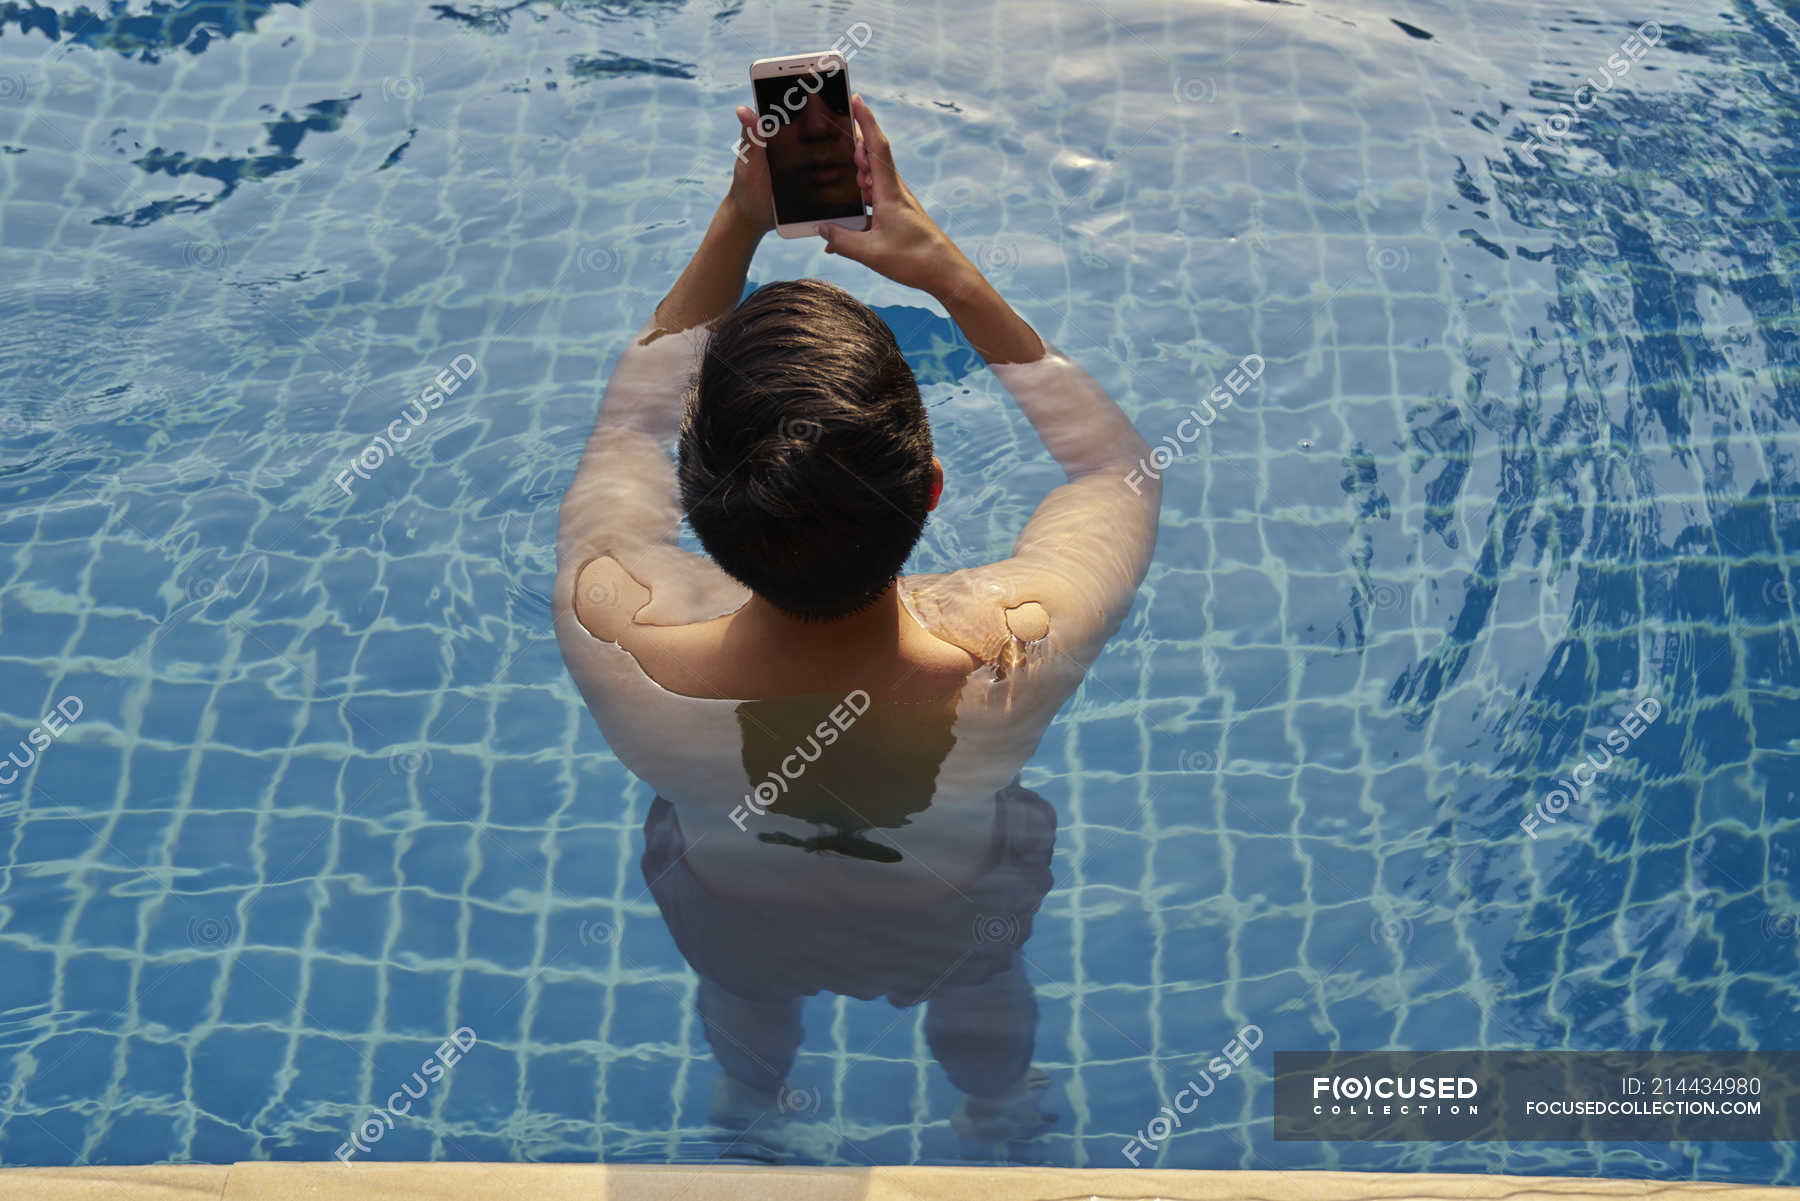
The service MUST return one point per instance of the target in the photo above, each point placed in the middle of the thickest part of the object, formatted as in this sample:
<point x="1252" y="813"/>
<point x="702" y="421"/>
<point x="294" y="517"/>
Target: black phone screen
<point x="804" y="122"/>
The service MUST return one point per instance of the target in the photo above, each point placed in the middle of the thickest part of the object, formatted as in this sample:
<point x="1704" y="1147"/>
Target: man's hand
<point x="750" y="197"/>
<point x="906" y="245"/>
<point x="902" y="241"/>
<point x="713" y="280"/>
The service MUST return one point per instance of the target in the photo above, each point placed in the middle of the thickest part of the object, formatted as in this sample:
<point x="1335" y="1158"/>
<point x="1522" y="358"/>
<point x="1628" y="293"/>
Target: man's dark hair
<point x="805" y="453"/>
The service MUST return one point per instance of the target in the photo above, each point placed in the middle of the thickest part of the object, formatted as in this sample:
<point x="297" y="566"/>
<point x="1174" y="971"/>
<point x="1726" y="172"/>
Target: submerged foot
<point x="1009" y="1118"/>
<point x="766" y="1129"/>
<point x="737" y="1106"/>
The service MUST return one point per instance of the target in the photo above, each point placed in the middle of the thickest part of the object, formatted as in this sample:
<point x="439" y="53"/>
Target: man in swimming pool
<point x="835" y="747"/>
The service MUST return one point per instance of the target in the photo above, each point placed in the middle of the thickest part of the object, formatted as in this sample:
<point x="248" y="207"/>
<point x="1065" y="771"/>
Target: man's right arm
<point x="1085" y="551"/>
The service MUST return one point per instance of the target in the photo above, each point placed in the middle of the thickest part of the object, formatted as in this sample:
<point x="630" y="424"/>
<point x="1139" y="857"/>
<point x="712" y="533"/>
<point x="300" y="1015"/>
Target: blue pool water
<point x="1523" y="454"/>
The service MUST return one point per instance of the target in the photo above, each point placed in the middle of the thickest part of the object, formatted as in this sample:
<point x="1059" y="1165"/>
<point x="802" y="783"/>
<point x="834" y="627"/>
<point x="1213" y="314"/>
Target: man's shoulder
<point x="605" y="596"/>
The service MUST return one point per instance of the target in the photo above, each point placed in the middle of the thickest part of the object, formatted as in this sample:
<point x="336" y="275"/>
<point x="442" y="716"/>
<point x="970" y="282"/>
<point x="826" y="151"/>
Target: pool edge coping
<point x="439" y="1181"/>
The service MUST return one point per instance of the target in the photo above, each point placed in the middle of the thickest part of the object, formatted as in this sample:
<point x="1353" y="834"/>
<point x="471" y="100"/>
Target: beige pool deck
<point x="607" y="1182"/>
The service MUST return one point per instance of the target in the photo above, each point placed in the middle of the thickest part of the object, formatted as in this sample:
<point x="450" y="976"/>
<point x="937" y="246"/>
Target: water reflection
<point x="191" y="25"/>
<point x="1627" y="424"/>
<point x="1614" y="479"/>
<point x="283" y="136"/>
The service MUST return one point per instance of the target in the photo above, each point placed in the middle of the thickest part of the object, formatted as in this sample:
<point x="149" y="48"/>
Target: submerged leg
<point x="983" y="1035"/>
<point x="755" y="1043"/>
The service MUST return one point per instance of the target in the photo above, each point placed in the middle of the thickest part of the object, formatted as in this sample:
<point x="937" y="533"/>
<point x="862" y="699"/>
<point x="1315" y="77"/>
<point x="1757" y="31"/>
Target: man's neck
<point x="875" y="628"/>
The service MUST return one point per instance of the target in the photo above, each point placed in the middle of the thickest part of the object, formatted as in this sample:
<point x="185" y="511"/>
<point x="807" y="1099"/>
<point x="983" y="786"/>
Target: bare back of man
<point x="760" y="652"/>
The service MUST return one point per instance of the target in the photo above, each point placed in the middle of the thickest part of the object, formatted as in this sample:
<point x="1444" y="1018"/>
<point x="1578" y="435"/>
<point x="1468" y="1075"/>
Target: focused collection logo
<point x="1379" y="1094"/>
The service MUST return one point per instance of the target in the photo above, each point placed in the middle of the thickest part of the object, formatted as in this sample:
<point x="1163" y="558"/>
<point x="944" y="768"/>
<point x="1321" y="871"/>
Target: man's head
<point x="805" y="456"/>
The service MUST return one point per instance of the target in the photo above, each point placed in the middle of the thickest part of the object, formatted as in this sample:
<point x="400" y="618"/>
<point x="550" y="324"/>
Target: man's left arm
<point x="624" y="504"/>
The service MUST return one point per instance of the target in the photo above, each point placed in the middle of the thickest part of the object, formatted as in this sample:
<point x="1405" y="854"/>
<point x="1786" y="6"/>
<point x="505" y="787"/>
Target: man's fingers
<point x="865" y="120"/>
<point x="874" y="140"/>
<point x="845" y="241"/>
<point x="749" y="145"/>
<point x="880" y="153"/>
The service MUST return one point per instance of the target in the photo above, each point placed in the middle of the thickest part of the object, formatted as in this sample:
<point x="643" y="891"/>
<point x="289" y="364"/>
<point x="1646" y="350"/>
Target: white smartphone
<point x="804" y="124"/>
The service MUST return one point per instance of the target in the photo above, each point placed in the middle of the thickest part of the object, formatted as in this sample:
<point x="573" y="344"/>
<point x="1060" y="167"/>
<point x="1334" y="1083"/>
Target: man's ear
<point x="937" y="482"/>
